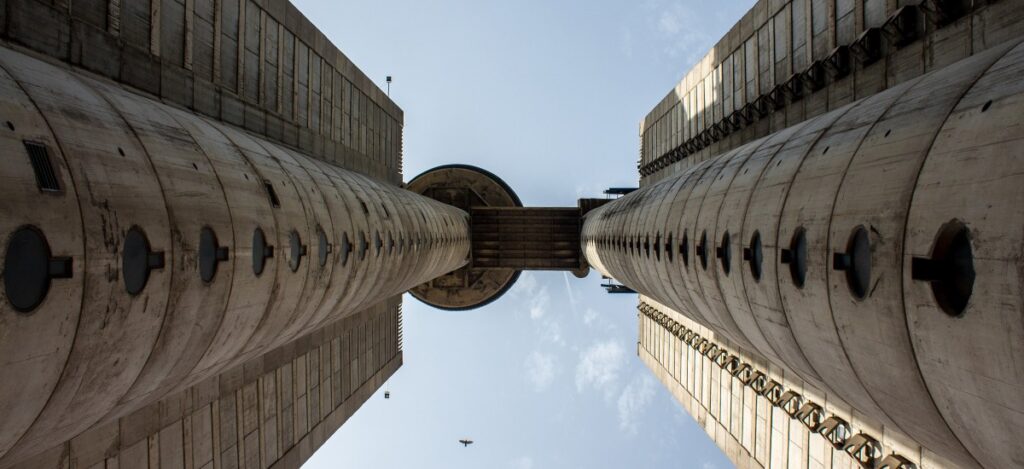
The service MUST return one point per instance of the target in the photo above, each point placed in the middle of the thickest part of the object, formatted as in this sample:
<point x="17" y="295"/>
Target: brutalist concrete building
<point x="827" y="237"/>
<point x="204" y="235"/>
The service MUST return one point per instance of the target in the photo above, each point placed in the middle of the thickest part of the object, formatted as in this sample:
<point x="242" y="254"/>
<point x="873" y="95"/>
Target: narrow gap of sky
<point x="549" y="96"/>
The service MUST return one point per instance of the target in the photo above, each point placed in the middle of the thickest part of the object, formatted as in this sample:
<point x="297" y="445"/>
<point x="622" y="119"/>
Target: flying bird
<point x="466" y="442"/>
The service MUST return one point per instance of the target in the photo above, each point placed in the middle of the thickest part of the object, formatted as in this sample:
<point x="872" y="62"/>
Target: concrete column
<point x="146" y="248"/>
<point x="873" y="250"/>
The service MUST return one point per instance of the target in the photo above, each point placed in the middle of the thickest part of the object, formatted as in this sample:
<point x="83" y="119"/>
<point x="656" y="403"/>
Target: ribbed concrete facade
<point x="260" y="65"/>
<point x="870" y="254"/>
<point x="759" y="415"/>
<point x="182" y="292"/>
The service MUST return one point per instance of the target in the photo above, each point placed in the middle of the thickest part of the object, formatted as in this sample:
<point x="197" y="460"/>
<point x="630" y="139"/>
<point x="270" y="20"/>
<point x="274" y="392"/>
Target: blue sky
<point x="548" y="95"/>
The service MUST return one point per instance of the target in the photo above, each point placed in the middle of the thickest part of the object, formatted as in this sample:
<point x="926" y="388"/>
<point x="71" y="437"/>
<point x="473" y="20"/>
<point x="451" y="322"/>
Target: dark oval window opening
<point x="138" y="260"/>
<point x="260" y="251"/>
<point x="798" y="258"/>
<point x="702" y="250"/>
<point x="858" y="275"/>
<point x="657" y="247"/>
<point x="210" y="254"/>
<point x="755" y="256"/>
<point x="324" y="246"/>
<point x="27" y="269"/>
<point x="950" y="269"/>
<point x="346" y="248"/>
<point x="297" y="250"/>
<point x="725" y="253"/>
<point x="363" y="245"/>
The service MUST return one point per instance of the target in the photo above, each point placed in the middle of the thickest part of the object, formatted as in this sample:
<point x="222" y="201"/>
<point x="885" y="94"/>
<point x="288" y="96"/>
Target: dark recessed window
<point x="796" y="257"/>
<point x="28" y="269"/>
<point x="363" y="245"/>
<point x="261" y="251"/>
<point x="702" y="250"/>
<point x="137" y="260"/>
<point x="725" y="253"/>
<point x="754" y="255"/>
<point x="346" y="248"/>
<point x="297" y="250"/>
<point x="950" y="269"/>
<point x="856" y="262"/>
<point x="324" y="246"/>
<point x="210" y="254"/>
<point x="684" y="250"/>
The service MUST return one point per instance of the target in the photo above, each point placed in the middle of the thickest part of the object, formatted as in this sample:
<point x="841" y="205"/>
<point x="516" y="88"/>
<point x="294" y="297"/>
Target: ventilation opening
<point x="46" y="177"/>
<point x="950" y="269"/>
<point x="272" y="194"/>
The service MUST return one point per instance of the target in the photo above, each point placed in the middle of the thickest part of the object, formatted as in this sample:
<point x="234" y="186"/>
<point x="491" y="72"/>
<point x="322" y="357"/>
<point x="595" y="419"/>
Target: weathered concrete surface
<point x="786" y="61"/>
<point x="760" y="416"/>
<point x="257" y="64"/>
<point x="91" y="351"/>
<point x="872" y="190"/>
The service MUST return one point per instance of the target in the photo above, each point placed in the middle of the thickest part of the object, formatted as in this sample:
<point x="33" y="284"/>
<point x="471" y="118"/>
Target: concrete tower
<point x="202" y="238"/>
<point x="827" y="236"/>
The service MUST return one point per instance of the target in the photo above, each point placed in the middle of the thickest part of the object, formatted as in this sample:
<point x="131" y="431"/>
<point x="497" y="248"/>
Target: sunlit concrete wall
<point x="873" y="251"/>
<point x="760" y="416"/>
<point x="789" y="60"/>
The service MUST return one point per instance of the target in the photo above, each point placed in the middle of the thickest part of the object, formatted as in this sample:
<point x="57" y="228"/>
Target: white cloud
<point x="540" y="370"/>
<point x="709" y="465"/>
<point x="535" y="299"/>
<point x="672" y="20"/>
<point x="551" y="331"/>
<point x="535" y="295"/>
<point x="633" y="400"/>
<point x="526" y="284"/>
<point x="522" y="462"/>
<point x="679" y="29"/>
<point x="589" y="316"/>
<point x="599" y="367"/>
